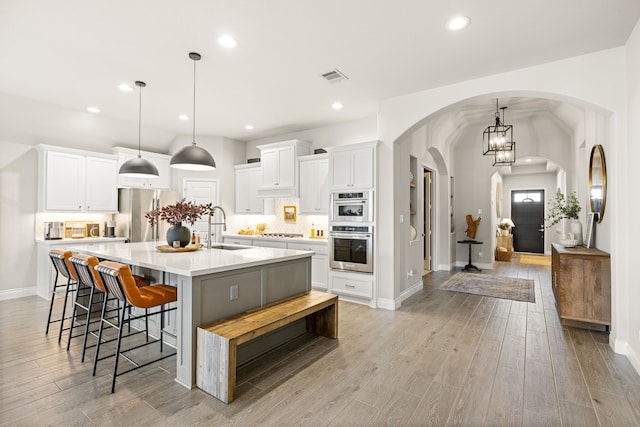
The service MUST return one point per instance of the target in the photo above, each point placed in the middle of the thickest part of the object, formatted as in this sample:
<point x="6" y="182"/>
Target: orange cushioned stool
<point x="121" y="284"/>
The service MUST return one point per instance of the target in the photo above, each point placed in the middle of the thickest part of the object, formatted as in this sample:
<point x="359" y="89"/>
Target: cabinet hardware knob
<point x="350" y="286"/>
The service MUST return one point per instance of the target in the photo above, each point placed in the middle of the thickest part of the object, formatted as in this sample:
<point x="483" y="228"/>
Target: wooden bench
<point x="217" y="342"/>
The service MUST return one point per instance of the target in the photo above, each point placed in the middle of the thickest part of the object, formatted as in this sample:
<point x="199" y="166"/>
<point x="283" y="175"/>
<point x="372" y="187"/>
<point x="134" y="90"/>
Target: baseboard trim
<point x="17" y="293"/>
<point x="388" y="304"/>
<point x="623" y="347"/>
<point x="413" y="289"/>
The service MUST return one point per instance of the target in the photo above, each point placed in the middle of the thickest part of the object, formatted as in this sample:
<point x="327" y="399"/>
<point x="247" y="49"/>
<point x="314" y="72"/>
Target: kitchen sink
<point x="230" y="247"/>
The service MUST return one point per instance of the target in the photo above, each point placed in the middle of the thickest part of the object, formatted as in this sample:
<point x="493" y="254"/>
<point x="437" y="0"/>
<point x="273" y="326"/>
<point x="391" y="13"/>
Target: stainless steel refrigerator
<point x="133" y="204"/>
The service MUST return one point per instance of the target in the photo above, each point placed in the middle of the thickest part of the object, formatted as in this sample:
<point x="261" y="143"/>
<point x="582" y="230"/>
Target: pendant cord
<point x="194" y="102"/>
<point x="139" y="120"/>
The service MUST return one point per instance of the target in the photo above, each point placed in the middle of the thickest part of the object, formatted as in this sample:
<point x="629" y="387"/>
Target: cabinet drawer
<point x="236" y="241"/>
<point x="352" y="286"/>
<point x="317" y="248"/>
<point x="269" y="244"/>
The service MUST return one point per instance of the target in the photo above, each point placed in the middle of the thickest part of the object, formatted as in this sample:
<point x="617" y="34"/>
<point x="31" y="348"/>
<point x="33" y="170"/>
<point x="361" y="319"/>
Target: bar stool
<point x="120" y="283"/>
<point x="62" y="265"/>
<point x="88" y="277"/>
<point x="84" y="266"/>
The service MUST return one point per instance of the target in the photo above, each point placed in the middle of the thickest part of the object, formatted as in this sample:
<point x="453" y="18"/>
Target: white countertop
<point x="323" y="241"/>
<point x="80" y="241"/>
<point x="197" y="263"/>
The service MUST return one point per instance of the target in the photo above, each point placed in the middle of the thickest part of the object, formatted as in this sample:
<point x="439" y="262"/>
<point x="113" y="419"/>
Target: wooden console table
<point x="581" y="279"/>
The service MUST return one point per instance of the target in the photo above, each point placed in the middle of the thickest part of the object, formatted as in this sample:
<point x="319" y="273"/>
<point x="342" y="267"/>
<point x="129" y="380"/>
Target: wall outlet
<point x="401" y="219"/>
<point x="233" y="292"/>
<point x="479" y="253"/>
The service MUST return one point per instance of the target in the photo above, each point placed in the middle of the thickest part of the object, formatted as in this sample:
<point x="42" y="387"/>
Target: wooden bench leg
<point x="324" y="322"/>
<point x="216" y="365"/>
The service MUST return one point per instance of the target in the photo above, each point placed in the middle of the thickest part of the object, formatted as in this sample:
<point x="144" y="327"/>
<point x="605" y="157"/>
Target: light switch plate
<point x="233" y="292"/>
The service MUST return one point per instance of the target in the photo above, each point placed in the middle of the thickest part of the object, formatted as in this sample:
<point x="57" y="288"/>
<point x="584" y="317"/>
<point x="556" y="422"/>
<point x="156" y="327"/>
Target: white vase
<point x="574" y="228"/>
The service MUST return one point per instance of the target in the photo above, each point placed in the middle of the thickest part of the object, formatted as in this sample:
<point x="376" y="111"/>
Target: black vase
<point x="179" y="233"/>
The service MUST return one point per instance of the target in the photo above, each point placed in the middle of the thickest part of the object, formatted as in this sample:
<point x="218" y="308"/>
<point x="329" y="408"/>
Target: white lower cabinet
<point x="269" y="244"/>
<point x="319" y="263"/>
<point x="354" y="287"/>
<point x="237" y="240"/>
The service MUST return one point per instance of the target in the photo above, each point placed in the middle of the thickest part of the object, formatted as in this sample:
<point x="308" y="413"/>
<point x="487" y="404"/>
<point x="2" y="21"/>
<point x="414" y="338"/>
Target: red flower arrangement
<point x="179" y="212"/>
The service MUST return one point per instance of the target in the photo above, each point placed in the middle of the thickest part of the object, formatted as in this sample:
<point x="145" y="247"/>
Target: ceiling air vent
<point x="334" y="76"/>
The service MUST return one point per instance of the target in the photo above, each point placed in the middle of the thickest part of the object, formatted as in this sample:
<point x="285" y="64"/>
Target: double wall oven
<point x="351" y="232"/>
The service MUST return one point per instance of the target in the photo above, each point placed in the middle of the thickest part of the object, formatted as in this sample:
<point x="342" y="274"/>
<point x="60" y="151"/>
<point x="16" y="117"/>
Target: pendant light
<point x="497" y="141"/>
<point x="139" y="167"/>
<point x="193" y="157"/>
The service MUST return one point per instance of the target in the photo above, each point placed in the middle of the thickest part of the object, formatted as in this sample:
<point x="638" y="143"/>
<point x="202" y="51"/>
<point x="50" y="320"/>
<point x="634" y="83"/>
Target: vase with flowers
<point x="566" y="208"/>
<point x="180" y="212"/>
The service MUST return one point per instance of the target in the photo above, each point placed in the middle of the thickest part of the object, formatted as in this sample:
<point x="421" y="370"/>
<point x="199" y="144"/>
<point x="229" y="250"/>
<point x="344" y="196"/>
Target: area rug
<point x="491" y="286"/>
<point x="535" y="259"/>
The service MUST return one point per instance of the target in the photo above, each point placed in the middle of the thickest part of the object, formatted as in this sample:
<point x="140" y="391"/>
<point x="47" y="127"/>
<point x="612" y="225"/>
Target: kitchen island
<point x="214" y="284"/>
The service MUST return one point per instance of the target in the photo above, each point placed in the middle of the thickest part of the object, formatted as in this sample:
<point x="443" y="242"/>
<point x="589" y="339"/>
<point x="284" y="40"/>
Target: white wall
<point x="18" y="204"/>
<point x="628" y="312"/>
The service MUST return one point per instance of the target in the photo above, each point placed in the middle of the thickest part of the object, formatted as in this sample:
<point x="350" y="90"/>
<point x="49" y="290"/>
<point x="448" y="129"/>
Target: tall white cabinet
<point x="76" y="181"/>
<point x="314" y="184"/>
<point x="248" y="179"/>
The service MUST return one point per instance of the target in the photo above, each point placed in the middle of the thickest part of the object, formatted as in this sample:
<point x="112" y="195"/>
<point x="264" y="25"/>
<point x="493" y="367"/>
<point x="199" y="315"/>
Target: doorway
<point x="527" y="213"/>
<point x="427" y="218"/>
<point x="201" y="192"/>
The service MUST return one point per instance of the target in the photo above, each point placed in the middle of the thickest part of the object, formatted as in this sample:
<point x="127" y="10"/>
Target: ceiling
<point x="73" y="54"/>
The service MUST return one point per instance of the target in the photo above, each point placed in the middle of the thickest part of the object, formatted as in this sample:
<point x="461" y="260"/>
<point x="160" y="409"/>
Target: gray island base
<point x="213" y="284"/>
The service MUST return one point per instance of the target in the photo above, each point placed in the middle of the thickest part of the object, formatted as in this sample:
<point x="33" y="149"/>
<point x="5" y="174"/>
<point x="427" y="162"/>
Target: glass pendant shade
<point x="192" y="157"/>
<point x="139" y="167"/>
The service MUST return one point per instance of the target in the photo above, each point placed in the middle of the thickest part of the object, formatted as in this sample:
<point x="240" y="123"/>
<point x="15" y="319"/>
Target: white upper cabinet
<point x="101" y="184"/>
<point x="280" y="167"/>
<point x="248" y="179"/>
<point x="161" y="161"/>
<point x="314" y="184"/>
<point x="352" y="167"/>
<point x="76" y="181"/>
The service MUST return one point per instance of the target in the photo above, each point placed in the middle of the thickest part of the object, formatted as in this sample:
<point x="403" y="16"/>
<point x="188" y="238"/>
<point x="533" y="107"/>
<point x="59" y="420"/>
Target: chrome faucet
<point x="212" y="211"/>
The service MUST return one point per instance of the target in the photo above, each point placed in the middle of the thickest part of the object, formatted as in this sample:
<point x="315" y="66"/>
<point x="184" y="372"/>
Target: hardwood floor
<point x="444" y="358"/>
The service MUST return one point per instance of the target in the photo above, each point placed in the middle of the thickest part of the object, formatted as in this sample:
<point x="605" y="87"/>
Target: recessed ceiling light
<point x="93" y="109"/>
<point x="227" y="41"/>
<point x="458" y="23"/>
<point x="337" y="105"/>
<point x="183" y="117"/>
<point x="249" y="127"/>
<point x="125" y="87"/>
<point x="527" y="160"/>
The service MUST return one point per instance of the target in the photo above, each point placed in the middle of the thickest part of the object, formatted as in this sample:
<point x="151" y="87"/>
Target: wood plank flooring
<point x="443" y="359"/>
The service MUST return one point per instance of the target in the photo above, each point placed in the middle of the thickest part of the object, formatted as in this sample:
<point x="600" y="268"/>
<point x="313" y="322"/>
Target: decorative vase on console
<point x="564" y="210"/>
<point x="180" y="233"/>
<point x="574" y="228"/>
<point x="175" y="215"/>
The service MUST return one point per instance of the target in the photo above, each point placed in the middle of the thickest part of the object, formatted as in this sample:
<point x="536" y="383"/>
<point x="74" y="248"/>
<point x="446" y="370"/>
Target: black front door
<point x="527" y="213"/>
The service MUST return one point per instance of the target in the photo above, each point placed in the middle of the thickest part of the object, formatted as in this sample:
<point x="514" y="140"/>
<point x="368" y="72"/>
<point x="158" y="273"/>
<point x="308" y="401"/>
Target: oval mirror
<point x="597" y="181"/>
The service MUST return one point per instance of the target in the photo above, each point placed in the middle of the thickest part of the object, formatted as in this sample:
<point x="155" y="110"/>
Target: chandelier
<point x="497" y="141"/>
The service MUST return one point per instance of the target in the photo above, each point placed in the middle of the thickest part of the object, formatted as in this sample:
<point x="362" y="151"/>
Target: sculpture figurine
<point x="472" y="226"/>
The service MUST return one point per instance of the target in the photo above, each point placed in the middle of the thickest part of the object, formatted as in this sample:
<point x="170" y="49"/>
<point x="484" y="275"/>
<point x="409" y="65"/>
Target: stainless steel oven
<point x="351" y="248"/>
<point x="351" y="207"/>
